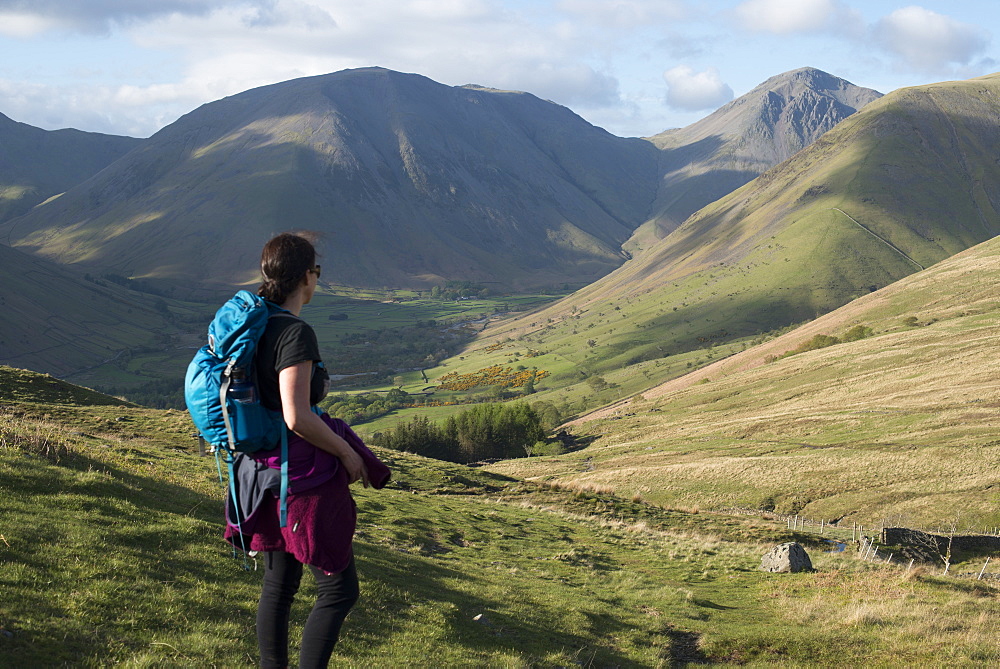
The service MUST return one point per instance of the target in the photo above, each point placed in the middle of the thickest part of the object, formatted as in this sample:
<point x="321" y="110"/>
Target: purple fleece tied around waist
<point x="259" y="474"/>
<point x="321" y="517"/>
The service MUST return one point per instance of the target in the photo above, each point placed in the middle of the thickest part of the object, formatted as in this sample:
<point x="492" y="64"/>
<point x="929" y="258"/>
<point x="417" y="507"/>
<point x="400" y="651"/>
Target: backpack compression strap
<point x="283" y="500"/>
<point x="223" y="390"/>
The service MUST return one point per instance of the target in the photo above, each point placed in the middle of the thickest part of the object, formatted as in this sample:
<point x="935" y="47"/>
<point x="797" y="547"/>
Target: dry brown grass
<point x="38" y="438"/>
<point x="904" y="424"/>
<point x="916" y="573"/>
<point x="908" y="617"/>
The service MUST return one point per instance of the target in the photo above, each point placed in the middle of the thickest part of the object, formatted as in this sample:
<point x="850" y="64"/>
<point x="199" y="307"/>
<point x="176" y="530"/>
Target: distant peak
<point x="807" y="71"/>
<point x="810" y="76"/>
<point x="801" y="74"/>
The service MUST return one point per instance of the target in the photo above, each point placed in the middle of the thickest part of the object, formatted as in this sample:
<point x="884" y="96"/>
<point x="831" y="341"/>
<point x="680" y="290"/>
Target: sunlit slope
<point x="412" y="182"/>
<point x="742" y="139"/>
<point x="903" y="184"/>
<point x="900" y="425"/>
<point x="55" y="321"/>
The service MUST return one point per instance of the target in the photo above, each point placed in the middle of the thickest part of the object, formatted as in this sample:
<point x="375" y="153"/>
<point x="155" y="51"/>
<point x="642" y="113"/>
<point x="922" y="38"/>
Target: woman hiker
<point x="324" y="458"/>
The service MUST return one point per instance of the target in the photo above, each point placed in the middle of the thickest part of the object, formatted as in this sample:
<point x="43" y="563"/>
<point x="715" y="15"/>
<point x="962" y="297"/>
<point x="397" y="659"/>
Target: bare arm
<point x="293" y="385"/>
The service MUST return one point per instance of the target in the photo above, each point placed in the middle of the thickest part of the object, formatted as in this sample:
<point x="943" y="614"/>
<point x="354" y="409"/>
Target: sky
<point x="633" y="67"/>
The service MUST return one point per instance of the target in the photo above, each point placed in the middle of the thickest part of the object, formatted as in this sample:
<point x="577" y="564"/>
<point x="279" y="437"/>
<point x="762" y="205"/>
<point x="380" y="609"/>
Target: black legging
<point x="335" y="595"/>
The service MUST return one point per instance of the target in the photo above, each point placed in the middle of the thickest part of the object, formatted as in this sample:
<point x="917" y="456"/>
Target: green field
<point x="111" y="554"/>
<point x="388" y="331"/>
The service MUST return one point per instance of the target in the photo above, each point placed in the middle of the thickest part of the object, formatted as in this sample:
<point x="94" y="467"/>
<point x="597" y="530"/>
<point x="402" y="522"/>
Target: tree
<point x="484" y="431"/>
<point x="597" y="382"/>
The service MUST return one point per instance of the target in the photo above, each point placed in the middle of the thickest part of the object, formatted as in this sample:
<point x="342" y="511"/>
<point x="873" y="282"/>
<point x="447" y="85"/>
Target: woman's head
<point x="283" y="263"/>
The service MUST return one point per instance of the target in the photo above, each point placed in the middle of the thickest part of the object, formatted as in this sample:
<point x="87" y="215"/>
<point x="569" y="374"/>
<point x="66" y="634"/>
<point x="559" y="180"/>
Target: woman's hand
<point x="355" y="466"/>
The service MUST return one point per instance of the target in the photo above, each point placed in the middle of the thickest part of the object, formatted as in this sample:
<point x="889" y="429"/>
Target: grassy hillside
<point x="58" y="322"/>
<point x="109" y="543"/>
<point x="19" y="385"/>
<point x="901" y="425"/>
<point x="899" y="186"/>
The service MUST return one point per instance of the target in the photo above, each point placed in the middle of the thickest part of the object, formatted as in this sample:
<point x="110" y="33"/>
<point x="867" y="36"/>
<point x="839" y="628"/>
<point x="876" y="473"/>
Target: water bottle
<point x="244" y="410"/>
<point x="241" y="389"/>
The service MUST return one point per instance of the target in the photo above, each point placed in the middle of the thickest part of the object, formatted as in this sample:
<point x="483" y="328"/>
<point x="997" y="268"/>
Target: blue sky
<point x="634" y="67"/>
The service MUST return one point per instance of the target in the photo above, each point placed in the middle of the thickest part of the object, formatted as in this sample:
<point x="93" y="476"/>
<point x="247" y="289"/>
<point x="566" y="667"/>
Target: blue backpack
<point x="220" y="389"/>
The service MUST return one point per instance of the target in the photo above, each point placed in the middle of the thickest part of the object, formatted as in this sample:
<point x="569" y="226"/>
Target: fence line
<point x="867" y="546"/>
<point x="799" y="522"/>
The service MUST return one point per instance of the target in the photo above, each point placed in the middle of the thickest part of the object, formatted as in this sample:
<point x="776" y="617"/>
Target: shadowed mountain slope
<point x="411" y="181"/>
<point x="58" y="323"/>
<point x="716" y="155"/>
<point x="36" y="164"/>
<point x="906" y="182"/>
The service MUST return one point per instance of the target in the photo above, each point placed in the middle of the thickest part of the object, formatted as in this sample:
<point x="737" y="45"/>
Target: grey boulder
<point x="786" y="558"/>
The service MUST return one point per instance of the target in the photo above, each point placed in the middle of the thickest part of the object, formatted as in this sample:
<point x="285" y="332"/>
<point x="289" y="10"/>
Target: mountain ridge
<point x="414" y="183"/>
<point x="37" y="164"/>
<point x="710" y="158"/>
<point x="355" y="145"/>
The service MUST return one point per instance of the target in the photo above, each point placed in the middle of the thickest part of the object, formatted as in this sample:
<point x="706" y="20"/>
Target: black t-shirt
<point x="287" y="341"/>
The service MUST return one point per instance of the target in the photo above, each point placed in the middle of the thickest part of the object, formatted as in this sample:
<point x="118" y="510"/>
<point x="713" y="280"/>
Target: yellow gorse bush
<point x="495" y="375"/>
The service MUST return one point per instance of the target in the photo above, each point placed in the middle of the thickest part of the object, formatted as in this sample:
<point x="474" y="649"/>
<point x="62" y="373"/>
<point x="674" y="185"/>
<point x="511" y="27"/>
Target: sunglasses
<point x="317" y="270"/>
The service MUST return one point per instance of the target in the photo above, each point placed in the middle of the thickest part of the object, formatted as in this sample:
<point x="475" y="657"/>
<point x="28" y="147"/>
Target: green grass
<point x="111" y="555"/>
<point x="19" y="385"/>
<point x="900" y="425"/>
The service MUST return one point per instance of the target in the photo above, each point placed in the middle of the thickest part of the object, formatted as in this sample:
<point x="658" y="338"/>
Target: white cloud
<point x="291" y="12"/>
<point x="101" y="15"/>
<point x="450" y="10"/>
<point x="927" y="41"/>
<point x="786" y="17"/>
<point x="25" y="24"/>
<point x="688" y="90"/>
<point x="566" y="83"/>
<point x="455" y="42"/>
<point x="93" y="108"/>
<point x="624" y="14"/>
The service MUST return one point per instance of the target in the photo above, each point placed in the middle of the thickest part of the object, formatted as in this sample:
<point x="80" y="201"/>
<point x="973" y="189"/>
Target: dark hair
<point x="283" y="262"/>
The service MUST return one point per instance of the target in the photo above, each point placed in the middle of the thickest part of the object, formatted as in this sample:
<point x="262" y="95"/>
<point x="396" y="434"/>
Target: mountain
<point x="903" y="184"/>
<point x="415" y="183"/>
<point x="36" y="164"/>
<point x="412" y="182"/>
<point x="900" y="424"/>
<point x="716" y="155"/>
<point x="57" y="322"/>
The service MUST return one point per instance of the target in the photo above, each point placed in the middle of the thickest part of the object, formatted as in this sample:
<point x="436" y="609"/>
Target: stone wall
<point x="902" y="536"/>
